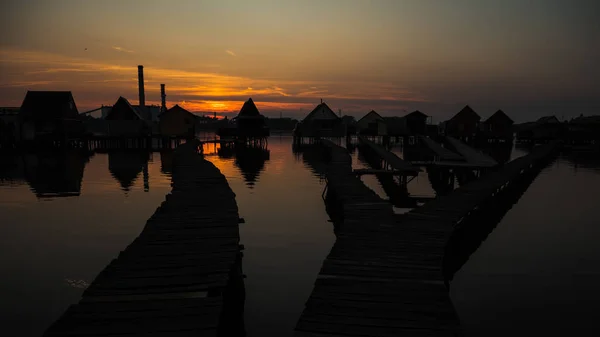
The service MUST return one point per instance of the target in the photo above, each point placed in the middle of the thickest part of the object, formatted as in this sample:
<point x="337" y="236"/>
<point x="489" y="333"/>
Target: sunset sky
<point x="529" y="58"/>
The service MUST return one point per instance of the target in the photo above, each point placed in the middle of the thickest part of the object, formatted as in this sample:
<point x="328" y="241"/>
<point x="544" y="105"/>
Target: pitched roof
<point x="370" y="113"/>
<point x="547" y="119"/>
<point x="176" y="108"/>
<point x="321" y="111"/>
<point x="499" y="116"/>
<point x="586" y="120"/>
<point x="466" y="112"/>
<point x="417" y="113"/>
<point x="56" y="104"/>
<point x="249" y="109"/>
<point x="123" y="100"/>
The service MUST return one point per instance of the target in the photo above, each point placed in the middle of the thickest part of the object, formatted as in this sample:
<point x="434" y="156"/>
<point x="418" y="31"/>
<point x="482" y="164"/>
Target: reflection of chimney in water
<point x="141" y="86"/>
<point x="163" y="98"/>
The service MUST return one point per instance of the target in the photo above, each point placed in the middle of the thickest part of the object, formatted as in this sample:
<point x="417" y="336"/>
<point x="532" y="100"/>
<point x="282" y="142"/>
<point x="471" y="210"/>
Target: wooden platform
<point x="170" y="280"/>
<point x="396" y="163"/>
<point x="441" y="152"/>
<point x="384" y="275"/>
<point x="471" y="155"/>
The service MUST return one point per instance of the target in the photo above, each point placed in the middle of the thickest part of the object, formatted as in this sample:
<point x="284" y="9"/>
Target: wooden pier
<point x="472" y="156"/>
<point x="441" y="152"/>
<point x="391" y="161"/>
<point x="385" y="273"/>
<point x="181" y="276"/>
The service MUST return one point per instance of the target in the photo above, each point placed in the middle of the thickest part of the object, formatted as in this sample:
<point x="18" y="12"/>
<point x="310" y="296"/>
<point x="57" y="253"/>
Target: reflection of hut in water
<point x="166" y="161"/>
<point x="54" y="173"/>
<point x="316" y="159"/>
<point x="251" y="161"/>
<point x="226" y="152"/>
<point x="125" y="167"/>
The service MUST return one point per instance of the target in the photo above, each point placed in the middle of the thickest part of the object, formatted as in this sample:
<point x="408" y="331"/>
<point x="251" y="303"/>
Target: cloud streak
<point x="230" y="52"/>
<point x="101" y="82"/>
<point x="123" y="50"/>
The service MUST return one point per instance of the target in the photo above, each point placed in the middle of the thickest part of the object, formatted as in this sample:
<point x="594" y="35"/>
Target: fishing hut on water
<point x="497" y="128"/>
<point x="50" y="117"/>
<point x="321" y="122"/>
<point x="248" y="127"/>
<point x="464" y="125"/>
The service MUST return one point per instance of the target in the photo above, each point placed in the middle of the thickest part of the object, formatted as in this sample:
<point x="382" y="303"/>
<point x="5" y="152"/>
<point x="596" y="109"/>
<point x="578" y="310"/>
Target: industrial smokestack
<point x="163" y="98"/>
<point x="141" y="86"/>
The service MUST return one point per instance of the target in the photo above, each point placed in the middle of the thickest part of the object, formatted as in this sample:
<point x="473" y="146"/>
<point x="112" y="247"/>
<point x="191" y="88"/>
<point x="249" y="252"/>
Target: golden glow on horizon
<point x="197" y="91"/>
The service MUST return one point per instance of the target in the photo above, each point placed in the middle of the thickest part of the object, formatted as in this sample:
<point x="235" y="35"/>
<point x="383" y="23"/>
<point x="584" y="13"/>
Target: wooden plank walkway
<point x="473" y="156"/>
<point x="170" y="280"/>
<point x="384" y="275"/>
<point x="443" y="153"/>
<point x="392" y="159"/>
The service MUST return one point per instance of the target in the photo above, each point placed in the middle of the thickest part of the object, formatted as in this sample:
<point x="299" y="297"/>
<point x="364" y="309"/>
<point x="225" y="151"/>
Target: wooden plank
<point x="188" y="247"/>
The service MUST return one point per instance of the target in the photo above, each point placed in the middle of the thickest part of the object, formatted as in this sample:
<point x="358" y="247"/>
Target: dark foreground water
<point x="64" y="217"/>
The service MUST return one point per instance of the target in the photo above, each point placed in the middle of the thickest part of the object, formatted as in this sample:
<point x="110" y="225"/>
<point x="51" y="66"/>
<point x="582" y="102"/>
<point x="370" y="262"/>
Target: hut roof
<point x="123" y="101"/>
<point x="499" y="117"/>
<point x="416" y="113"/>
<point x="466" y="113"/>
<point x="371" y="113"/>
<point x="321" y="111"/>
<point x="176" y="108"/>
<point x="586" y="120"/>
<point x="49" y="104"/>
<point x="547" y="119"/>
<point x="249" y="109"/>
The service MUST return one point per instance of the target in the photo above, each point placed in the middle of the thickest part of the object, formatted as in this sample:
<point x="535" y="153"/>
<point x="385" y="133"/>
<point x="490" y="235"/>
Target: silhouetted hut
<point x="321" y="122"/>
<point x="464" y="125"/>
<point x="249" y="122"/>
<point x="416" y="122"/>
<point x="583" y="130"/>
<point x="49" y="115"/>
<point x="177" y="122"/>
<point x="498" y="126"/>
<point x="544" y="129"/>
<point x="9" y="126"/>
<point x="372" y="124"/>
<point x="125" y="120"/>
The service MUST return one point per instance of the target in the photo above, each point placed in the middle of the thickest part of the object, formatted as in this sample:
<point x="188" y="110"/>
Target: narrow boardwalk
<point x="384" y="275"/>
<point x="171" y="280"/>
<point x="473" y="156"/>
<point x="397" y="164"/>
<point x="443" y="153"/>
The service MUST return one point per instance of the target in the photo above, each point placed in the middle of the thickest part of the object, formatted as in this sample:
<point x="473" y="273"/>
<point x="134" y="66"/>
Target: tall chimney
<point x="141" y="86"/>
<point x="163" y="98"/>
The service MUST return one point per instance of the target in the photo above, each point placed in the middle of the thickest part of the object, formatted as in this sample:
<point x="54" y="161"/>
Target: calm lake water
<point x="64" y="217"/>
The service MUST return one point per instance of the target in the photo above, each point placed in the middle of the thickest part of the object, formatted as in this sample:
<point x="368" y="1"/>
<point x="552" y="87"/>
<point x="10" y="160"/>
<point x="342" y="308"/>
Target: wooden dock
<point x="385" y="273"/>
<point x="176" y="277"/>
<point x="441" y="152"/>
<point x="472" y="156"/>
<point x="394" y="162"/>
